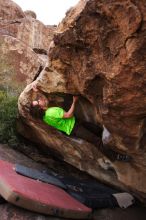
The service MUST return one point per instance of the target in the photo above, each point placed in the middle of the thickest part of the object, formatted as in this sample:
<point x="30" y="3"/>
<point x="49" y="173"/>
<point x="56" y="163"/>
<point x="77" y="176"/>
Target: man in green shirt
<point x="59" y="119"/>
<point x="67" y="123"/>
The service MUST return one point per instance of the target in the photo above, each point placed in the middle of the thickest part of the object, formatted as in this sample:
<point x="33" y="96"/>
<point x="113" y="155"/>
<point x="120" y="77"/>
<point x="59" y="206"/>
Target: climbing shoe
<point x="123" y="157"/>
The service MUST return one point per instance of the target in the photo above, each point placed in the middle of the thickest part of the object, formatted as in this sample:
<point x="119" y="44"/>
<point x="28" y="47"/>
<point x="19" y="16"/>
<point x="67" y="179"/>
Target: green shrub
<point x="8" y="115"/>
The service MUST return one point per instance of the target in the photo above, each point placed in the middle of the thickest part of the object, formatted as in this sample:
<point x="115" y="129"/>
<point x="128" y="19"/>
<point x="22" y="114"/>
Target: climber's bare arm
<point x="70" y="112"/>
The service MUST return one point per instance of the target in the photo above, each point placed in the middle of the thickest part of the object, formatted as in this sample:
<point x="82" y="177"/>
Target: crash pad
<point x="38" y="196"/>
<point x="90" y="192"/>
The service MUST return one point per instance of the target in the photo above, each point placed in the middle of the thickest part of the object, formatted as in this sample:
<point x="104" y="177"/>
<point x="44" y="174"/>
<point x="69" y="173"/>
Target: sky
<point x="50" y="12"/>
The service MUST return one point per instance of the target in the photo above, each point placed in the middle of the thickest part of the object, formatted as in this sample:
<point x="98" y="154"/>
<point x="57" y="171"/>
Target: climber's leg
<point x="113" y="155"/>
<point x="81" y="132"/>
<point x="95" y="129"/>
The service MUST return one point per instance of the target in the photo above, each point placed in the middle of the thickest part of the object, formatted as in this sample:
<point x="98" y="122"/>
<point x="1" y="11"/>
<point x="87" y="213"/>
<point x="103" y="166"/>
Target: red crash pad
<point x="38" y="196"/>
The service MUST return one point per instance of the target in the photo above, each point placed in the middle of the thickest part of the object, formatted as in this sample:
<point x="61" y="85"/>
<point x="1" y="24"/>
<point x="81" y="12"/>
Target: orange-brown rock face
<point x="10" y="10"/>
<point x="99" y="52"/>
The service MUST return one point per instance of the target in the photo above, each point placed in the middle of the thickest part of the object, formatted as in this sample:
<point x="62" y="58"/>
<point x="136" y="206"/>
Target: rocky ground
<point x="35" y="160"/>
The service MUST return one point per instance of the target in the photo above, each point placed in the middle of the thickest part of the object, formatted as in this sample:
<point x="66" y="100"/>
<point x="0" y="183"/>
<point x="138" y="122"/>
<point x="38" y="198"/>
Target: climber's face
<point x="42" y="103"/>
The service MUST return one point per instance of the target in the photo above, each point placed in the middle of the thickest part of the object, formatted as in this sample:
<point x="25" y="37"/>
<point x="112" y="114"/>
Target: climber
<point x="67" y="123"/>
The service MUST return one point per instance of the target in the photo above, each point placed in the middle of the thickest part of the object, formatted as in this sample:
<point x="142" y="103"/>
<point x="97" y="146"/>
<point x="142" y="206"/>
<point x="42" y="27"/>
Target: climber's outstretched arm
<point x="70" y="112"/>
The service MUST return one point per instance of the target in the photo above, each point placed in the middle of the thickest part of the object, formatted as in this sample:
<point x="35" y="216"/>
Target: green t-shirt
<point x="54" y="117"/>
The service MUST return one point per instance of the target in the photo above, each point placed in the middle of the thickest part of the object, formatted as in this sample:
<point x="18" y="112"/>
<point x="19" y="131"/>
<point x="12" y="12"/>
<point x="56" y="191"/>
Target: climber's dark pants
<point x="92" y="133"/>
<point x="88" y="132"/>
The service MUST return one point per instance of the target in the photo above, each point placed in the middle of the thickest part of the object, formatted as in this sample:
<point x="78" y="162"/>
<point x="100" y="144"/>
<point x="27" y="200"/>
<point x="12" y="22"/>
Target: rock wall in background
<point x="24" y="42"/>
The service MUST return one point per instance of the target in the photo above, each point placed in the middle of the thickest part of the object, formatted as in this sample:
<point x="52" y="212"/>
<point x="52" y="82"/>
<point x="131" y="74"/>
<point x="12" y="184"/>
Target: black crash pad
<point x="91" y="192"/>
<point x="37" y="175"/>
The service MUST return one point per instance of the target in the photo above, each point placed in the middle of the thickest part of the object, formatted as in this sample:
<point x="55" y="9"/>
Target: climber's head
<point x="41" y="103"/>
<point x="38" y="107"/>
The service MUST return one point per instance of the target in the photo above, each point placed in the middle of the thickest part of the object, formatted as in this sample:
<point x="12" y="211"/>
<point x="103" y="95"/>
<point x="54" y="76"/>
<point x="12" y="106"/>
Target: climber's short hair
<point x="36" y="111"/>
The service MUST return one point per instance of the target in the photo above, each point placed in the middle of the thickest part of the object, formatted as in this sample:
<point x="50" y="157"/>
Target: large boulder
<point x="98" y="52"/>
<point x="31" y="14"/>
<point x="18" y="64"/>
<point x="10" y="11"/>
